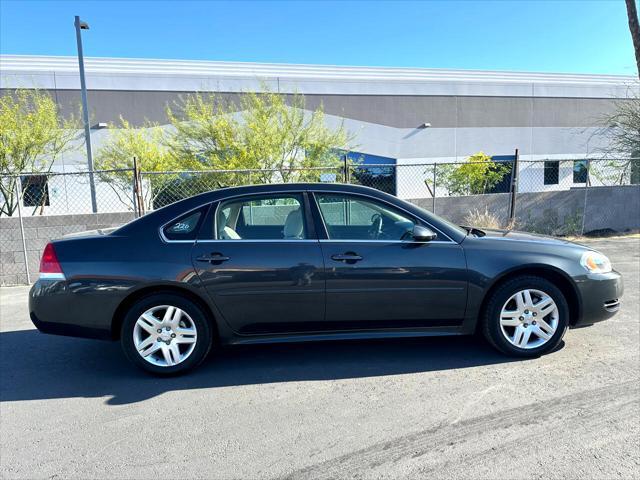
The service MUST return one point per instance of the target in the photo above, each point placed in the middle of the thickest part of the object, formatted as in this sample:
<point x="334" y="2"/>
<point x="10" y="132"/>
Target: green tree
<point x="260" y="131"/>
<point x="115" y="159"/>
<point x="634" y="29"/>
<point x="476" y="175"/>
<point x="33" y="134"/>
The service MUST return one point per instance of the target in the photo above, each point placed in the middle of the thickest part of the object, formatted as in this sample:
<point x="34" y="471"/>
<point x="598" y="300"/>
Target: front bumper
<point x="600" y="297"/>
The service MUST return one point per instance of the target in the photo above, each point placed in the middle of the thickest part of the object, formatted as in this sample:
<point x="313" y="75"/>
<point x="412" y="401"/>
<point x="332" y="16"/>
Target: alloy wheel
<point x="165" y="335"/>
<point x="529" y="318"/>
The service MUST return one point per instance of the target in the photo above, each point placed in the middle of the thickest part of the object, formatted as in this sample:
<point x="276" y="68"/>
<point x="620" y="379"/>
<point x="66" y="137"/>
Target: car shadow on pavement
<point x="34" y="366"/>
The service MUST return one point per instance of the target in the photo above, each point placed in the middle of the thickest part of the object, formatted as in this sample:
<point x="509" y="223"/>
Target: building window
<point x="35" y="191"/>
<point x="372" y="171"/>
<point x="579" y="171"/>
<point x="504" y="184"/>
<point x="635" y="171"/>
<point x="551" y="173"/>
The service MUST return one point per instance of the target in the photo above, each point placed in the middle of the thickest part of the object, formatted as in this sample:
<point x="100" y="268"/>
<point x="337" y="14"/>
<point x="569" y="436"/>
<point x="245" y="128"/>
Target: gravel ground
<point x="420" y="408"/>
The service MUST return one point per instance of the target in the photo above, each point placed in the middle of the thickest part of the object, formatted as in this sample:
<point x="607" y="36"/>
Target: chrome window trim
<point x="299" y="192"/>
<point x="326" y="231"/>
<point x="382" y="241"/>
<point x="258" y="240"/>
<point x="215" y="227"/>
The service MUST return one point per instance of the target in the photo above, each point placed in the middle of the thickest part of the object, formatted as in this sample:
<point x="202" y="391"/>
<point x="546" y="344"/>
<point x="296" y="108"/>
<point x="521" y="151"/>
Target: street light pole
<point x="80" y="25"/>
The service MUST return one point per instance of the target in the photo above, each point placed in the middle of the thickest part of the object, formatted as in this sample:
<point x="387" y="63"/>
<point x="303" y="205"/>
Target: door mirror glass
<point x="423" y="234"/>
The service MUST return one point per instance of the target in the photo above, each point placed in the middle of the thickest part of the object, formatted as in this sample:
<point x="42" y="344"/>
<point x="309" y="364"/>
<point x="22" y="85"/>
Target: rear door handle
<point x="346" y="257"/>
<point x="213" y="258"/>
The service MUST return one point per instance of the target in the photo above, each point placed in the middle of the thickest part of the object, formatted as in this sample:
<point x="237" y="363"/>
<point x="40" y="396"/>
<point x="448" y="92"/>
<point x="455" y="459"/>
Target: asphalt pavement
<point x="418" y="408"/>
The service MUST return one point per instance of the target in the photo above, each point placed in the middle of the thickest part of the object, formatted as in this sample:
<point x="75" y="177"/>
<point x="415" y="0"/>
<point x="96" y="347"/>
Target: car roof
<point x="269" y="187"/>
<point x="224" y="192"/>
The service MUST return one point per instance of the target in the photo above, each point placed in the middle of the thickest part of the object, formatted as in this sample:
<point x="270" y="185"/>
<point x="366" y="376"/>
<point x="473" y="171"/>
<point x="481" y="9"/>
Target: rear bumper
<point x="600" y="297"/>
<point x="54" y="308"/>
<point x="68" y="330"/>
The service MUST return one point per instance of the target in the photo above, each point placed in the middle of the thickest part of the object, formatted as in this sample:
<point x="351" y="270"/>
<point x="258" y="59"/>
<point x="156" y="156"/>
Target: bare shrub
<point x="482" y="219"/>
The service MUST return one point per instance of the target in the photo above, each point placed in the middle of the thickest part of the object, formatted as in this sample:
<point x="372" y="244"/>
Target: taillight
<point x="49" y="265"/>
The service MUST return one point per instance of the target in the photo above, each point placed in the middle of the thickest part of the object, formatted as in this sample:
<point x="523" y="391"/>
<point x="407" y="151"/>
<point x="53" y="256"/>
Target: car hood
<point x="516" y="236"/>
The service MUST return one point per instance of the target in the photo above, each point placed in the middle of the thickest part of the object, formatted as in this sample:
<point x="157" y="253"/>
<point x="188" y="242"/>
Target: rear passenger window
<point x="185" y="227"/>
<point x="268" y="217"/>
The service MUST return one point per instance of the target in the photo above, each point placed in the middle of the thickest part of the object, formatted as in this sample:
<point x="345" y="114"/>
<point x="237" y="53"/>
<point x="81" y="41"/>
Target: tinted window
<point x="185" y="227"/>
<point x="35" y="191"/>
<point x="268" y="217"/>
<point x="350" y="217"/>
<point x="635" y="169"/>
<point x="551" y="173"/>
<point x="579" y="171"/>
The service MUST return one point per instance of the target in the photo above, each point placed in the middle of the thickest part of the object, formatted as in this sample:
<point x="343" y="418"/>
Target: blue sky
<point x="546" y="36"/>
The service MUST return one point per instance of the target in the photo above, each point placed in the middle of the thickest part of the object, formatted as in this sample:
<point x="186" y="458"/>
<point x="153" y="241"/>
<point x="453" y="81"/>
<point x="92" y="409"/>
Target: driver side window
<point x="351" y="217"/>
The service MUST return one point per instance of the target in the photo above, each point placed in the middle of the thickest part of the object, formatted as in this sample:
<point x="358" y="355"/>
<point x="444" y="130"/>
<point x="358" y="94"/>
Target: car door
<point x="261" y="263"/>
<point x="377" y="277"/>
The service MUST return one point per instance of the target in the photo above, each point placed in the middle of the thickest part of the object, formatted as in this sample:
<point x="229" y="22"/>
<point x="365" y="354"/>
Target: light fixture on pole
<point x="80" y="25"/>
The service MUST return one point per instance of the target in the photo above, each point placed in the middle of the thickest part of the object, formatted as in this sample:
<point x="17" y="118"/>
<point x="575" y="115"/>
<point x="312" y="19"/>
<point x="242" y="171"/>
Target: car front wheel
<point x="166" y="334"/>
<point x="526" y="317"/>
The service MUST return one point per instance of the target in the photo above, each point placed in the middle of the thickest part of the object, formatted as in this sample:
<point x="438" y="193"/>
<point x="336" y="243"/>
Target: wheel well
<point x="121" y="311"/>
<point x="558" y="279"/>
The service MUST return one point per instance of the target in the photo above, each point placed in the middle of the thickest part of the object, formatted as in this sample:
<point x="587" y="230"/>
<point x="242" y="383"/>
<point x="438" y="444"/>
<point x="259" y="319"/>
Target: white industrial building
<point x="402" y="117"/>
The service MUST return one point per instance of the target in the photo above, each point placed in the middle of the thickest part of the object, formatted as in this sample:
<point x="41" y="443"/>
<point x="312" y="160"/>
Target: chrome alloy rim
<point x="165" y="335"/>
<point x="529" y="319"/>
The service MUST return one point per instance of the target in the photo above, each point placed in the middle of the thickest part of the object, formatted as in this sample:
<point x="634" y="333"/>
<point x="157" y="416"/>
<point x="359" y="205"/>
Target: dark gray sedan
<point x="302" y="262"/>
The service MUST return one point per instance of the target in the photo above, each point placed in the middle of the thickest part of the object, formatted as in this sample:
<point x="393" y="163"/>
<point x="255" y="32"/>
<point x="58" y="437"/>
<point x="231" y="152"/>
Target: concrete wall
<point x="614" y="208"/>
<point x="38" y="231"/>
<point x="617" y="208"/>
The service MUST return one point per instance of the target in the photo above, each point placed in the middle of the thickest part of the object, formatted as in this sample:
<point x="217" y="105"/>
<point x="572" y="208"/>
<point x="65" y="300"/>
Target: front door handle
<point x="213" y="258"/>
<point x="346" y="257"/>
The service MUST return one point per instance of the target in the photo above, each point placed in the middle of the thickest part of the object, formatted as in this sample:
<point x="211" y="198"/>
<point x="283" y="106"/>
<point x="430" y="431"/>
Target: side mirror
<point x="423" y="234"/>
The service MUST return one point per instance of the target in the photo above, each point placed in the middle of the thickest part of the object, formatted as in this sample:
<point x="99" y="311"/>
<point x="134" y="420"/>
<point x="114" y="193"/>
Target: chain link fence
<point x="508" y="193"/>
<point x="158" y="189"/>
<point x="553" y="196"/>
<point x="64" y="193"/>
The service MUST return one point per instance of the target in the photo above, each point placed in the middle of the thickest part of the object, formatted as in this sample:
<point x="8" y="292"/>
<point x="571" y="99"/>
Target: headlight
<point x="595" y="262"/>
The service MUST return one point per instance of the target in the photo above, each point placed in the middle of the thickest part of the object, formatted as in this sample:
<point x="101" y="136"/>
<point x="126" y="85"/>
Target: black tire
<point x="204" y="339"/>
<point x="490" y="320"/>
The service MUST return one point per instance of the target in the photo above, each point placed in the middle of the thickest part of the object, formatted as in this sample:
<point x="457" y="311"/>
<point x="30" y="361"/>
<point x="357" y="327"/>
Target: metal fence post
<point x="138" y="188"/>
<point x="345" y="172"/>
<point x="514" y="189"/>
<point x="433" y="199"/>
<point x="344" y="169"/>
<point x="586" y="191"/>
<point x="134" y="188"/>
<point x="22" y="235"/>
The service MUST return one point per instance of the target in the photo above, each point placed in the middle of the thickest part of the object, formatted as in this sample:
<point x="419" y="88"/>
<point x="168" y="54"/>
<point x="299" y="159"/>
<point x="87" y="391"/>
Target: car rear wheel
<point x="166" y="334"/>
<point x="526" y="317"/>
